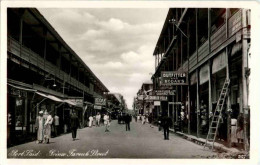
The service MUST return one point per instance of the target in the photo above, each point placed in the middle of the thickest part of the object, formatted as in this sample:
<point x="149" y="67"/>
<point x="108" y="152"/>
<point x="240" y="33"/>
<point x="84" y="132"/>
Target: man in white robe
<point x="39" y="125"/>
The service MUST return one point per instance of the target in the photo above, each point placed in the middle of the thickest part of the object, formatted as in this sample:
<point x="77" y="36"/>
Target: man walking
<point x="47" y="127"/>
<point x="74" y="124"/>
<point x="106" y="122"/>
<point x="56" y="124"/>
<point x="98" y="119"/>
<point x="127" y="122"/>
<point x="39" y="125"/>
<point x="166" y="123"/>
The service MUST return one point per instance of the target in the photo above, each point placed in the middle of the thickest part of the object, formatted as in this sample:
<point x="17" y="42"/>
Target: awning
<point x="70" y="102"/>
<point x="204" y="71"/>
<point x="193" y="78"/>
<point x="219" y="62"/>
<point x="50" y="97"/>
<point x="22" y="88"/>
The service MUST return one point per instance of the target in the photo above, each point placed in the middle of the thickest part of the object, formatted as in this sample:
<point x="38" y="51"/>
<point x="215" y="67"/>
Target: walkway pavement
<point x="142" y="141"/>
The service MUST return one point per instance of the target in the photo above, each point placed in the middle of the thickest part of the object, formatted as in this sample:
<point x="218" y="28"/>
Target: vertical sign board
<point x="174" y="78"/>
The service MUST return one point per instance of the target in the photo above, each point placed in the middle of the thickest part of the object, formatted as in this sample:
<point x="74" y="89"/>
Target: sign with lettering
<point x="100" y="101"/>
<point x="157" y="103"/>
<point x="78" y="101"/>
<point x="159" y="92"/>
<point x="175" y="103"/>
<point x="97" y="107"/>
<point x="156" y="98"/>
<point x="174" y="78"/>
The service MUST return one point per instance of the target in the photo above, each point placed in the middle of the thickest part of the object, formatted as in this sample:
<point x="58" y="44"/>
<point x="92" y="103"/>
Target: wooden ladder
<point x="213" y="129"/>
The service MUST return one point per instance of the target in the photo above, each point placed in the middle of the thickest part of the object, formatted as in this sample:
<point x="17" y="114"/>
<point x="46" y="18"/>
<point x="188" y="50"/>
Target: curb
<point x="201" y="141"/>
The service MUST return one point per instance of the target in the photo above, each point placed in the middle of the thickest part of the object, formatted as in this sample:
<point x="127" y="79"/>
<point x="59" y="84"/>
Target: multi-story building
<point x="43" y="71"/>
<point x="210" y="45"/>
<point x="143" y="103"/>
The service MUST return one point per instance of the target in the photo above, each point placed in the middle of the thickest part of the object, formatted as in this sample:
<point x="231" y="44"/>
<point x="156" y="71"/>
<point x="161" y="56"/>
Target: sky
<point x="117" y="44"/>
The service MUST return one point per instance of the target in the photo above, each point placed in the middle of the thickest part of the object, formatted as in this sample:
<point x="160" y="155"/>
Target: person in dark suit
<point x="166" y="123"/>
<point x="74" y="124"/>
<point x="127" y="122"/>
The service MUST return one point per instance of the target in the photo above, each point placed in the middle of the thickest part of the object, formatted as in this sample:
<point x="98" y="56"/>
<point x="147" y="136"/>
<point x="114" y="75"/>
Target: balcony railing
<point x="33" y="58"/>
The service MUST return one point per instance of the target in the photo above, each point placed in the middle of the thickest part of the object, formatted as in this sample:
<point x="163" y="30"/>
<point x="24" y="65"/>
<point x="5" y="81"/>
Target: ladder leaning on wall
<point x="213" y="129"/>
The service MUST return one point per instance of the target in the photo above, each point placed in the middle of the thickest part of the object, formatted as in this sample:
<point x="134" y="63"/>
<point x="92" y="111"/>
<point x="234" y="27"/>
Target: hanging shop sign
<point x="99" y="107"/>
<point x="77" y="101"/>
<point x="165" y="87"/>
<point x="175" y="103"/>
<point x="156" y="98"/>
<point x="100" y="101"/>
<point x="219" y="62"/>
<point x="174" y="78"/>
<point x="204" y="74"/>
<point x="159" y="92"/>
<point x="156" y="103"/>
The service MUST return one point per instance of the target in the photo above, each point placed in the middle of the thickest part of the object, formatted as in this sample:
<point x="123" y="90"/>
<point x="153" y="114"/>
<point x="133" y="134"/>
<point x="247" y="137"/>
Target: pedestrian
<point x="74" y="124"/>
<point x="39" y="127"/>
<point x="233" y="131"/>
<point x="98" y="119"/>
<point x="47" y="127"/>
<point x="143" y="119"/>
<point x="166" y="123"/>
<point x="160" y="123"/>
<point x="90" y="121"/>
<point x="106" y="122"/>
<point x="56" y="124"/>
<point x="127" y="122"/>
<point x="240" y="130"/>
<point x="221" y="128"/>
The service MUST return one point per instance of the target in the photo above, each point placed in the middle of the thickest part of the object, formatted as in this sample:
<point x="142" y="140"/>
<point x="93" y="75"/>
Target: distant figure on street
<point x="56" y="124"/>
<point x="98" y="117"/>
<point x="106" y="122"/>
<point x="47" y="127"/>
<point x="90" y="121"/>
<point x="143" y="119"/>
<point x="166" y="123"/>
<point x="127" y="122"/>
<point x="39" y="125"/>
<point x="160" y="122"/>
<point x="74" y="124"/>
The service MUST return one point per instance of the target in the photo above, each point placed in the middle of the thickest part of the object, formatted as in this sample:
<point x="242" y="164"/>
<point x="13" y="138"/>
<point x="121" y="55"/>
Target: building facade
<point x="43" y="71"/>
<point x="210" y="45"/>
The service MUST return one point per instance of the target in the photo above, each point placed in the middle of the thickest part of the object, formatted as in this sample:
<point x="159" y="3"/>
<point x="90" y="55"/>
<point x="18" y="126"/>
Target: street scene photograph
<point x="129" y="83"/>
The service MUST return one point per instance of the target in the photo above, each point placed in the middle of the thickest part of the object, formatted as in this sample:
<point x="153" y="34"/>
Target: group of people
<point x="97" y="121"/>
<point x="43" y="126"/>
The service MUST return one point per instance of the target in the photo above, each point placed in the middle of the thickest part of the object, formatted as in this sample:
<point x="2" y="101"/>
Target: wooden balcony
<point x="218" y="37"/>
<point x="34" y="59"/>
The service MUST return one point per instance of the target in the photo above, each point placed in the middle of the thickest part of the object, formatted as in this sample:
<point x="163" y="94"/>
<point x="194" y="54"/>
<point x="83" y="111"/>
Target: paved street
<point x="141" y="142"/>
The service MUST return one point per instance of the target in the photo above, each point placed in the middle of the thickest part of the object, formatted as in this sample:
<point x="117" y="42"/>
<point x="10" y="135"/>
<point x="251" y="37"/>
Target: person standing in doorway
<point x="47" y="127"/>
<point x="56" y="124"/>
<point x="39" y="127"/>
<point x="106" y="122"/>
<point x="74" y="124"/>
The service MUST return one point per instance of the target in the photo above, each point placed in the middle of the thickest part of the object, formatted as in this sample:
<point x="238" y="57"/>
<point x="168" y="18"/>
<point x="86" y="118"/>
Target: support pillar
<point x="198" y="105"/>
